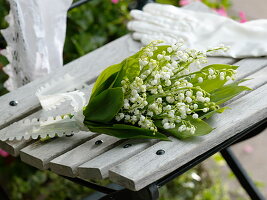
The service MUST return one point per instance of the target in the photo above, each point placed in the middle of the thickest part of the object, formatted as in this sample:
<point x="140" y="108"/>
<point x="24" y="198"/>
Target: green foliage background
<point x="94" y="24"/>
<point x="89" y="27"/>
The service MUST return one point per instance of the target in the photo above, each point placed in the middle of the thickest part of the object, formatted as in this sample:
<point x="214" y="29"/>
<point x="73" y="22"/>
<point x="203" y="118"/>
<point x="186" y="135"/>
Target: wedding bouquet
<point x="157" y="93"/>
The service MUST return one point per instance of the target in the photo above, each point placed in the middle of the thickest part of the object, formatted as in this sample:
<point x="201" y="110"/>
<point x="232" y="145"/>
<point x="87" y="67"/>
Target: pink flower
<point x="221" y="11"/>
<point x="248" y="149"/>
<point x="184" y="2"/>
<point x="3" y="153"/>
<point x="115" y="1"/>
<point x="243" y="17"/>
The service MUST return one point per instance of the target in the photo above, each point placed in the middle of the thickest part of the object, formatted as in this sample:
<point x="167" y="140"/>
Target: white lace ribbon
<point x="62" y="114"/>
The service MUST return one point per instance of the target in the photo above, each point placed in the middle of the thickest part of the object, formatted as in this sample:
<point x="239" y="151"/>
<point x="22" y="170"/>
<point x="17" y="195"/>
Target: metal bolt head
<point x="70" y="135"/>
<point x="13" y="103"/>
<point x="98" y="142"/>
<point x="127" y="146"/>
<point x="160" y="152"/>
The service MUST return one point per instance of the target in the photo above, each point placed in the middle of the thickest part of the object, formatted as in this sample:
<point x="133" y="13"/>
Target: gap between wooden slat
<point x="40" y="153"/>
<point x="67" y="163"/>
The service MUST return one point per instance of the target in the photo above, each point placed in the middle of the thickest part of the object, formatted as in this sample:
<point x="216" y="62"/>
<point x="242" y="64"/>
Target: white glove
<point x="35" y="39"/>
<point x="199" y="30"/>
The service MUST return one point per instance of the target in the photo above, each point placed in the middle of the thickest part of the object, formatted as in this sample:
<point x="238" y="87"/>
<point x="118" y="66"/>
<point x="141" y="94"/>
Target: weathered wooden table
<point x="134" y="164"/>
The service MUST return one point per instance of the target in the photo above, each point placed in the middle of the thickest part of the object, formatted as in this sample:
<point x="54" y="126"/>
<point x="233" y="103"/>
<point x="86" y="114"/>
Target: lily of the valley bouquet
<point x="156" y="93"/>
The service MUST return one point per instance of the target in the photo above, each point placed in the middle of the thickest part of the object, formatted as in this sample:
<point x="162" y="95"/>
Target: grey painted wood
<point x="257" y="79"/>
<point x="13" y="147"/>
<point x="67" y="163"/>
<point x="254" y="81"/>
<point x="147" y="167"/>
<point x="98" y="167"/>
<point x="40" y="153"/>
<point x="249" y="66"/>
<point x="220" y="60"/>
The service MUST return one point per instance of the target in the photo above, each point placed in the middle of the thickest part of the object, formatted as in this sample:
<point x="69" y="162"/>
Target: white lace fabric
<point x="35" y="39"/>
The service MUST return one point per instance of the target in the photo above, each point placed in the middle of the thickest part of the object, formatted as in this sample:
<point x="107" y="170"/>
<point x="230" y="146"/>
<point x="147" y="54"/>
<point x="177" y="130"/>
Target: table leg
<point x="241" y="174"/>
<point x="3" y="195"/>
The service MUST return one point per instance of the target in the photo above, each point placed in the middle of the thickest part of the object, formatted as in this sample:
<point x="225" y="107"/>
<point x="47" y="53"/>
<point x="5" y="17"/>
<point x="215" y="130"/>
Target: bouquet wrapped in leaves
<point x="157" y="93"/>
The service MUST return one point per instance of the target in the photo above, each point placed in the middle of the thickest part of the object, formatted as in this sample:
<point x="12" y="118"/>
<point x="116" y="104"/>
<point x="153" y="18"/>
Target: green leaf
<point x="172" y="2"/>
<point x="130" y="69"/>
<point x="105" y="85"/>
<point x="103" y="107"/>
<point x="219" y="67"/>
<point x="227" y="92"/>
<point x="125" y="131"/>
<point x="209" y="114"/>
<point x="105" y="75"/>
<point x="213" y="84"/>
<point x="202" y="128"/>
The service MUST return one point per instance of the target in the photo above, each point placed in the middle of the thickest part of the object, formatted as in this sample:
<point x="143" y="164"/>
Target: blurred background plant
<point x="26" y="183"/>
<point x="94" y="24"/>
<point x="3" y="61"/>
<point x="91" y="26"/>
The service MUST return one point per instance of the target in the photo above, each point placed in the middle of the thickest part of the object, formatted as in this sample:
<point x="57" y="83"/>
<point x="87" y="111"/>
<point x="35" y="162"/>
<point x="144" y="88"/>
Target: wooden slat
<point x="257" y="79"/>
<point x="249" y="66"/>
<point x="147" y="167"/>
<point x="220" y="60"/>
<point x="98" y="167"/>
<point x="255" y="72"/>
<point x="254" y="81"/>
<point x="13" y="147"/>
<point x="67" y="163"/>
<point x="40" y="153"/>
